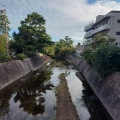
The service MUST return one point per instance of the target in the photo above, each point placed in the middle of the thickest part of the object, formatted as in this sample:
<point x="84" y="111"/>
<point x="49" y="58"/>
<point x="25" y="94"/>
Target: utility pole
<point x="3" y="12"/>
<point x="6" y="32"/>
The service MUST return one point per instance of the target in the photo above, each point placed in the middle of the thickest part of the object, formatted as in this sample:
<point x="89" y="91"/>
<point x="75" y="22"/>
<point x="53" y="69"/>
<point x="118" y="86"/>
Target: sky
<point x="63" y="17"/>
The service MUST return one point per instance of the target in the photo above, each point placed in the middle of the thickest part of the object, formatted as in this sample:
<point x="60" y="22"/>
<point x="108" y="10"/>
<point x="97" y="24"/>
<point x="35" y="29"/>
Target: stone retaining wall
<point x="107" y="90"/>
<point x="14" y="70"/>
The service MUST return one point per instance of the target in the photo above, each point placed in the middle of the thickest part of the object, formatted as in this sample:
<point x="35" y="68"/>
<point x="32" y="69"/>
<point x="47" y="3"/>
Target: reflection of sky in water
<point x="75" y="88"/>
<point x="17" y="113"/>
<point x="49" y="102"/>
<point x="34" y="95"/>
<point x="23" y="111"/>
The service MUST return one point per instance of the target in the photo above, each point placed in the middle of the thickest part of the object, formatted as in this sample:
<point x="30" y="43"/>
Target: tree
<point x="4" y="22"/>
<point x="64" y="46"/>
<point x="32" y="36"/>
<point x="2" y="45"/>
<point x="61" y="47"/>
<point x="101" y="38"/>
<point x="4" y="27"/>
<point x="68" y="41"/>
<point x="78" y="44"/>
<point x="4" y="57"/>
<point x="49" y="50"/>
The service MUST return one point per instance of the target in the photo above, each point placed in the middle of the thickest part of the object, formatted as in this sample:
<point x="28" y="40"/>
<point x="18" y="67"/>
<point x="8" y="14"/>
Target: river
<point x="35" y="98"/>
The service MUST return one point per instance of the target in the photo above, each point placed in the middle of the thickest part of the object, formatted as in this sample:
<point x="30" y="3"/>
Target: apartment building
<point x="109" y="23"/>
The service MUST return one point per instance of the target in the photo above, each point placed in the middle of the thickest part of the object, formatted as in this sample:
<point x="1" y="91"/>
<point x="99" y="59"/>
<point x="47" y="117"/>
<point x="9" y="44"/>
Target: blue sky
<point x="63" y="17"/>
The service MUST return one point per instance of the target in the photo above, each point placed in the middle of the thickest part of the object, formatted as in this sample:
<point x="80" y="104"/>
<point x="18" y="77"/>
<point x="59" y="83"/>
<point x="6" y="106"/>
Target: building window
<point x="117" y="33"/>
<point x="118" y="21"/>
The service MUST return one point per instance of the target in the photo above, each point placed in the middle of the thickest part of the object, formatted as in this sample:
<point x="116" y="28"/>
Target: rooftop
<point x="114" y="11"/>
<point x="90" y="23"/>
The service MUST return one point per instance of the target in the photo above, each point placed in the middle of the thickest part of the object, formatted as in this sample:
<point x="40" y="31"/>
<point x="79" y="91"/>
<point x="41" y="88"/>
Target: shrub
<point x="4" y="57"/>
<point x="88" y="55"/>
<point x="21" y="56"/>
<point x="66" y="50"/>
<point x="106" y="58"/>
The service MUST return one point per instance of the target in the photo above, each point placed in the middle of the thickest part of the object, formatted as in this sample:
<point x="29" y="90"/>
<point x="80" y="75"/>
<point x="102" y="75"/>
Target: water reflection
<point x="84" y="99"/>
<point x="30" y="95"/>
<point x="5" y="96"/>
<point x="34" y="99"/>
<point x="4" y="107"/>
<point x="93" y="103"/>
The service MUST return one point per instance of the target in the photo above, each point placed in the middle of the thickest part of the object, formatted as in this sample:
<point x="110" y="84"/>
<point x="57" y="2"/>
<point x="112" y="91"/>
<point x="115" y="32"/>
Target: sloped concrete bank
<point x="108" y="90"/>
<point x="14" y="70"/>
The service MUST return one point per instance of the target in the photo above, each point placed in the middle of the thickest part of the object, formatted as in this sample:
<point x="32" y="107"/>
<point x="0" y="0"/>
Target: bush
<point x="106" y="58"/>
<point x="88" y="55"/>
<point x="66" y="50"/>
<point x="21" y="56"/>
<point x="4" y="57"/>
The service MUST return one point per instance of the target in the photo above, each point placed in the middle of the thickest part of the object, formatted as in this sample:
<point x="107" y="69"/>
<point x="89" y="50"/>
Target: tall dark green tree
<point x="32" y="36"/>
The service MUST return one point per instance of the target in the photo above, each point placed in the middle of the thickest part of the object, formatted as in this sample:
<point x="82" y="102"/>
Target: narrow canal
<point x="35" y="98"/>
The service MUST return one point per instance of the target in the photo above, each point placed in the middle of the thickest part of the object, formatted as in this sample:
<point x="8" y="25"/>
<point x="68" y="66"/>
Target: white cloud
<point x="63" y="17"/>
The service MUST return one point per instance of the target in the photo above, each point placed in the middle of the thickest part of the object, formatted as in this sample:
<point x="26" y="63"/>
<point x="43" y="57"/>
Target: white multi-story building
<point x="109" y="23"/>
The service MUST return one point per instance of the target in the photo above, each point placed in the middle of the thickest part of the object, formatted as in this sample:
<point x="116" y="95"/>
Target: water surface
<point x="35" y="98"/>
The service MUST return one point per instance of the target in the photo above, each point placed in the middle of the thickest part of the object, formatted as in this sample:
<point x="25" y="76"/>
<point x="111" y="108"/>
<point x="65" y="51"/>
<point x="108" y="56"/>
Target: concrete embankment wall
<point x="108" y="90"/>
<point x="14" y="70"/>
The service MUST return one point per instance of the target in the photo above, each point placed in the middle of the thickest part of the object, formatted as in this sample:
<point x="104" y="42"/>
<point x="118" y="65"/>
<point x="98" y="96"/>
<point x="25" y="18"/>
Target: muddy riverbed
<point x="36" y="99"/>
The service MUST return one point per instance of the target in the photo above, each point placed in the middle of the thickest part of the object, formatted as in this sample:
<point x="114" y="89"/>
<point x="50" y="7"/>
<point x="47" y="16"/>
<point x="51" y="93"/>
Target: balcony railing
<point x="104" y="27"/>
<point x="89" y="26"/>
<point x="87" y="41"/>
<point x="88" y="34"/>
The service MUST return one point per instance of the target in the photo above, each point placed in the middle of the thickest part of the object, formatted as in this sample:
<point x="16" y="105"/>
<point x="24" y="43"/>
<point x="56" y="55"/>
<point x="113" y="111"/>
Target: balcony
<point x="89" y="26"/>
<point x="108" y="16"/>
<point x="87" y="41"/>
<point x="102" y="28"/>
<point x="88" y="34"/>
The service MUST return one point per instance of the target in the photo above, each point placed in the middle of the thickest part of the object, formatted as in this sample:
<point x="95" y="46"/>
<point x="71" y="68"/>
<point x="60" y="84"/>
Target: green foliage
<point x="103" y="55"/>
<point x="3" y="52"/>
<point x="66" y="50"/>
<point x="49" y="50"/>
<point x="32" y="36"/>
<point x="61" y="47"/>
<point x="68" y="41"/>
<point x="88" y="55"/>
<point x="2" y="44"/>
<point x="21" y="56"/>
<point x="4" y="57"/>
<point x="101" y="38"/>
<point x="106" y="58"/>
<point x="64" y="46"/>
